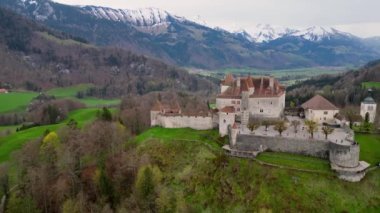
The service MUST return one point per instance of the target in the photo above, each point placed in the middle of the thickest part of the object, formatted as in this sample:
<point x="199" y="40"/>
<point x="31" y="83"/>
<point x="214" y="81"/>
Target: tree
<point x="327" y="131"/>
<point x="366" y="120"/>
<point x="106" y="114"/>
<point x="145" y="187"/>
<point x="350" y="116"/>
<point x="292" y="104"/>
<point x="253" y="125"/>
<point x="280" y="127"/>
<point x="295" y="124"/>
<point x="312" y="127"/>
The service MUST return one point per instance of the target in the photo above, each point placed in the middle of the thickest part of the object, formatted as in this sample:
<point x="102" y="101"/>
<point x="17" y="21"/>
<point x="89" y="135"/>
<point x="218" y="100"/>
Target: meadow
<point x="369" y="85"/>
<point x="16" y="140"/>
<point x="18" y="101"/>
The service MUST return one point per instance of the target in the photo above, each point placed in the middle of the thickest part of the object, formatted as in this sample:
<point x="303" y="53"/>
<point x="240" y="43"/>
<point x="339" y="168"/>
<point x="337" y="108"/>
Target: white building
<point x="262" y="97"/>
<point x="320" y="110"/>
<point x="368" y="106"/>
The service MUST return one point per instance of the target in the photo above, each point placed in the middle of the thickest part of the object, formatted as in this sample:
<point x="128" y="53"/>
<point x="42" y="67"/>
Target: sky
<point x="359" y="17"/>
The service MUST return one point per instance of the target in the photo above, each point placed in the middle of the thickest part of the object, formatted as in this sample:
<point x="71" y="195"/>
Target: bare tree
<point x="312" y="127"/>
<point x="327" y="131"/>
<point x="295" y="124"/>
<point x="280" y="127"/>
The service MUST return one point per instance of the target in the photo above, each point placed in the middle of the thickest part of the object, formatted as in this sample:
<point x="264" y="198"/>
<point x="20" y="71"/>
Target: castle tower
<point x="368" y="106"/>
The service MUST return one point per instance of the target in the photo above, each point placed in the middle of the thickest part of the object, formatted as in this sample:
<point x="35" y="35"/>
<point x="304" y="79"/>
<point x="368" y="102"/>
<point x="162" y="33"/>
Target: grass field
<point x="296" y="161"/>
<point x="18" y="101"/>
<point x="15" y="101"/>
<point x="369" y="147"/>
<point x="16" y="140"/>
<point x="193" y="170"/>
<point x="369" y="85"/>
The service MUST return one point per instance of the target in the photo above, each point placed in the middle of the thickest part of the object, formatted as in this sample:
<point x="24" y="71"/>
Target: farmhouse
<point x="3" y="91"/>
<point x="320" y="110"/>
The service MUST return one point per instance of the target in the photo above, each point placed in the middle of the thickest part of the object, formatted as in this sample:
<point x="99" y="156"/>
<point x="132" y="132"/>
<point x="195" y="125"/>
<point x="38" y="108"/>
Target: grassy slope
<point x="18" y="101"/>
<point x="244" y="185"/>
<point x="16" y="140"/>
<point x="15" y="101"/>
<point x="369" y="147"/>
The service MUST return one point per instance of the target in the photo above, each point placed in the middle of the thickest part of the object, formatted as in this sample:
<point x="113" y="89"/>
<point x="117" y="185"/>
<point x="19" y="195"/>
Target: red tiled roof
<point x="228" y="109"/>
<point x="261" y="88"/>
<point x="319" y="103"/>
<point x="228" y="80"/>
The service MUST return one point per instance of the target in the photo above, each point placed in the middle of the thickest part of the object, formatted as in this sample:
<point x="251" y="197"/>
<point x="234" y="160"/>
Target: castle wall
<point x="194" y="122"/>
<point x="281" y="144"/>
<point x="344" y="156"/>
<point x="223" y="102"/>
<point x="267" y="107"/>
<point x="225" y="120"/>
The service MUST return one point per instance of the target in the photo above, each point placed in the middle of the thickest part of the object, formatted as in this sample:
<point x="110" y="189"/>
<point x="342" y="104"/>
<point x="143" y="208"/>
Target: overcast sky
<point x="360" y="17"/>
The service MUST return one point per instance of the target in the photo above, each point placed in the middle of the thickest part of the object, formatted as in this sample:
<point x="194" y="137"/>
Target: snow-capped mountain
<point x="266" y="33"/>
<point x="191" y="42"/>
<point x="139" y="17"/>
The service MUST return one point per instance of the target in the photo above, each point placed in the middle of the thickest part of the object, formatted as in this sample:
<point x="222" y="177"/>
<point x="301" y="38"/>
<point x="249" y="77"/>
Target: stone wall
<point x="313" y="148"/>
<point x="182" y="121"/>
<point x="344" y="155"/>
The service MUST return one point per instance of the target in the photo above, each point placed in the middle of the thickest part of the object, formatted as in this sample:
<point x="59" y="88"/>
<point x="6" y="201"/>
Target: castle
<point x="244" y="98"/>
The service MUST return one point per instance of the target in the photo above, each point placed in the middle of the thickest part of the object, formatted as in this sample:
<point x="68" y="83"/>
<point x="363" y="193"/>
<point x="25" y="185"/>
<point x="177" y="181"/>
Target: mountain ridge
<point x="177" y="40"/>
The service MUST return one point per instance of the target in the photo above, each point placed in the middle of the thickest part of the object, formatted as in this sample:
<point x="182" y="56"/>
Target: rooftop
<point x="262" y="87"/>
<point x="319" y="103"/>
<point x="369" y="100"/>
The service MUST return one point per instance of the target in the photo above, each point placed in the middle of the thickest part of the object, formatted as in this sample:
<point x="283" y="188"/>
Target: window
<point x="238" y="102"/>
<point x="271" y="102"/>
<point x="261" y="110"/>
<point x="238" y="109"/>
<point x="224" y="120"/>
<point x="324" y="118"/>
<point x="370" y="108"/>
<point x="326" y="112"/>
<point x="233" y="102"/>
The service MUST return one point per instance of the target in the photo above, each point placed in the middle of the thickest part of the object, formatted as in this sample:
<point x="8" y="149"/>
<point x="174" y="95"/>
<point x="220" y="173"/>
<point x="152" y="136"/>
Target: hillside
<point x="34" y="57"/>
<point x="344" y="89"/>
<point x="178" y="40"/>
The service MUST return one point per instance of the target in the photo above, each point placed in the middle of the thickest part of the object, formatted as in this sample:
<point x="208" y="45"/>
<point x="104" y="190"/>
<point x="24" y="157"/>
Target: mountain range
<point x="177" y="40"/>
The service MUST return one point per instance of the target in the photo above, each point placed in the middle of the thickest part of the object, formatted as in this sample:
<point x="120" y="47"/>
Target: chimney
<point x="271" y="82"/>
<point x="238" y="82"/>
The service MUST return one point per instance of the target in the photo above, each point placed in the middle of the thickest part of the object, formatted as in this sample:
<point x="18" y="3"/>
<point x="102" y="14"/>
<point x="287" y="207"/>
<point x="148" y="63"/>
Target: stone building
<point x="246" y="97"/>
<point x="170" y="115"/>
<point x="320" y="110"/>
<point x="368" y="106"/>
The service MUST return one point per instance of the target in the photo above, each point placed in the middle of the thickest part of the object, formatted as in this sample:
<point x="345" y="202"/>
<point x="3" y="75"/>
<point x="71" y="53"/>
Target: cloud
<point x="354" y="15"/>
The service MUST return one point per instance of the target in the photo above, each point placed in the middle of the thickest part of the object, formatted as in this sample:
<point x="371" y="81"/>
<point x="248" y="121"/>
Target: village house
<point x="320" y="110"/>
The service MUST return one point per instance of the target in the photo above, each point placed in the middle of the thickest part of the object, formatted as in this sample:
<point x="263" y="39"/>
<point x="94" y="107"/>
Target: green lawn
<point x="296" y="161"/>
<point x="369" y="147"/>
<point x="18" y="139"/>
<point x="187" y="134"/>
<point x="18" y="101"/>
<point x="15" y="101"/>
<point x="64" y="92"/>
<point x="371" y="85"/>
